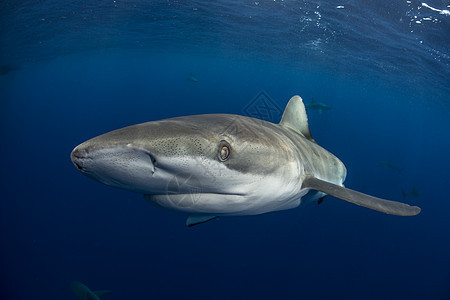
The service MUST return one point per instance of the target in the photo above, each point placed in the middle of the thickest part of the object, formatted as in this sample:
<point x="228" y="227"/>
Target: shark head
<point x="214" y="164"/>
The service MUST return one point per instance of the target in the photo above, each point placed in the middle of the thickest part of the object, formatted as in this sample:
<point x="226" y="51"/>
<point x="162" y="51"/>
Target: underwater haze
<point x="72" y="70"/>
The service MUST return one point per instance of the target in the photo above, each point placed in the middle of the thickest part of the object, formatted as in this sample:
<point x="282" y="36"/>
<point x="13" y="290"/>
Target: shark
<point x="413" y="192"/>
<point x="82" y="292"/>
<point x="191" y="78"/>
<point x="5" y="69"/>
<point x="389" y="164"/>
<point x="316" y="105"/>
<point x="223" y="165"/>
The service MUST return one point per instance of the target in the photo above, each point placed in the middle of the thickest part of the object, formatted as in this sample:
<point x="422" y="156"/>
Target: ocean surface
<point x="71" y="70"/>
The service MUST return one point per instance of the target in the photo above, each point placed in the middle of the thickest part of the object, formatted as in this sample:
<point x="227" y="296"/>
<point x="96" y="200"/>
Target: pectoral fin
<point x="193" y="220"/>
<point x="386" y="206"/>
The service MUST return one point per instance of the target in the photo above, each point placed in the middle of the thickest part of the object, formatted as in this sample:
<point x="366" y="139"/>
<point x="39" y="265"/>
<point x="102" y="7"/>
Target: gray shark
<point x="315" y="105"/>
<point x="82" y="292"/>
<point x="389" y="164"/>
<point x="413" y="192"/>
<point x="191" y="78"/>
<point x="5" y="69"/>
<point x="223" y="165"/>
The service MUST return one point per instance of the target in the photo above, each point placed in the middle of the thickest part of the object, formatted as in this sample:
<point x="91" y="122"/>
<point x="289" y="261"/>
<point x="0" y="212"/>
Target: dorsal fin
<point x="295" y="117"/>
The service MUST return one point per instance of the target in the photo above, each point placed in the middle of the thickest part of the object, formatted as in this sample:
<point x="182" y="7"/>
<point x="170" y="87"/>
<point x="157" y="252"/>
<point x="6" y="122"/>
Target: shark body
<point x="82" y="292"/>
<point x="223" y="165"/>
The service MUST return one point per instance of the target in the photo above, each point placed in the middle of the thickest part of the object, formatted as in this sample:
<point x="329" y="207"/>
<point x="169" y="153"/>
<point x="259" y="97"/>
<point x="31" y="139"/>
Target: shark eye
<point x="224" y="150"/>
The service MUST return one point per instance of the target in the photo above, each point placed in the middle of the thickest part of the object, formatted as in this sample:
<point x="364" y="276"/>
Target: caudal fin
<point x="386" y="206"/>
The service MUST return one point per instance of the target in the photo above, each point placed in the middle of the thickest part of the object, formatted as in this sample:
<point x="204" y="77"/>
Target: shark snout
<point x="120" y="165"/>
<point x="78" y="157"/>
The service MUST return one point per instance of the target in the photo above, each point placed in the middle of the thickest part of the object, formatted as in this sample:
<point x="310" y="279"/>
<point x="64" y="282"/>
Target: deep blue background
<point x="57" y="226"/>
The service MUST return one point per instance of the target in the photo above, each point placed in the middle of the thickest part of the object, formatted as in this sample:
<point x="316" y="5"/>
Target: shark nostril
<point x="76" y="153"/>
<point x="78" y="157"/>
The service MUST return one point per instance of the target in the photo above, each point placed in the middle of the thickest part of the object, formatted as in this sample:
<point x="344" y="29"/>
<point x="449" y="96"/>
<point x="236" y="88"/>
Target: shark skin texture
<point x="223" y="165"/>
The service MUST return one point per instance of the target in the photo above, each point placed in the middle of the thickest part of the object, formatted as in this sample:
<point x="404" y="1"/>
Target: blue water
<point x="82" y="68"/>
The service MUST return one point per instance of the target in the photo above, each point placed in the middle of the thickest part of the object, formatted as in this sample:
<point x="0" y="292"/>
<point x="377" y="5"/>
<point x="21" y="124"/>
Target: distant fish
<point x="315" y="105"/>
<point x="84" y="293"/>
<point x="389" y="164"/>
<point x="5" y="69"/>
<point x="413" y="192"/>
<point x="191" y="78"/>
